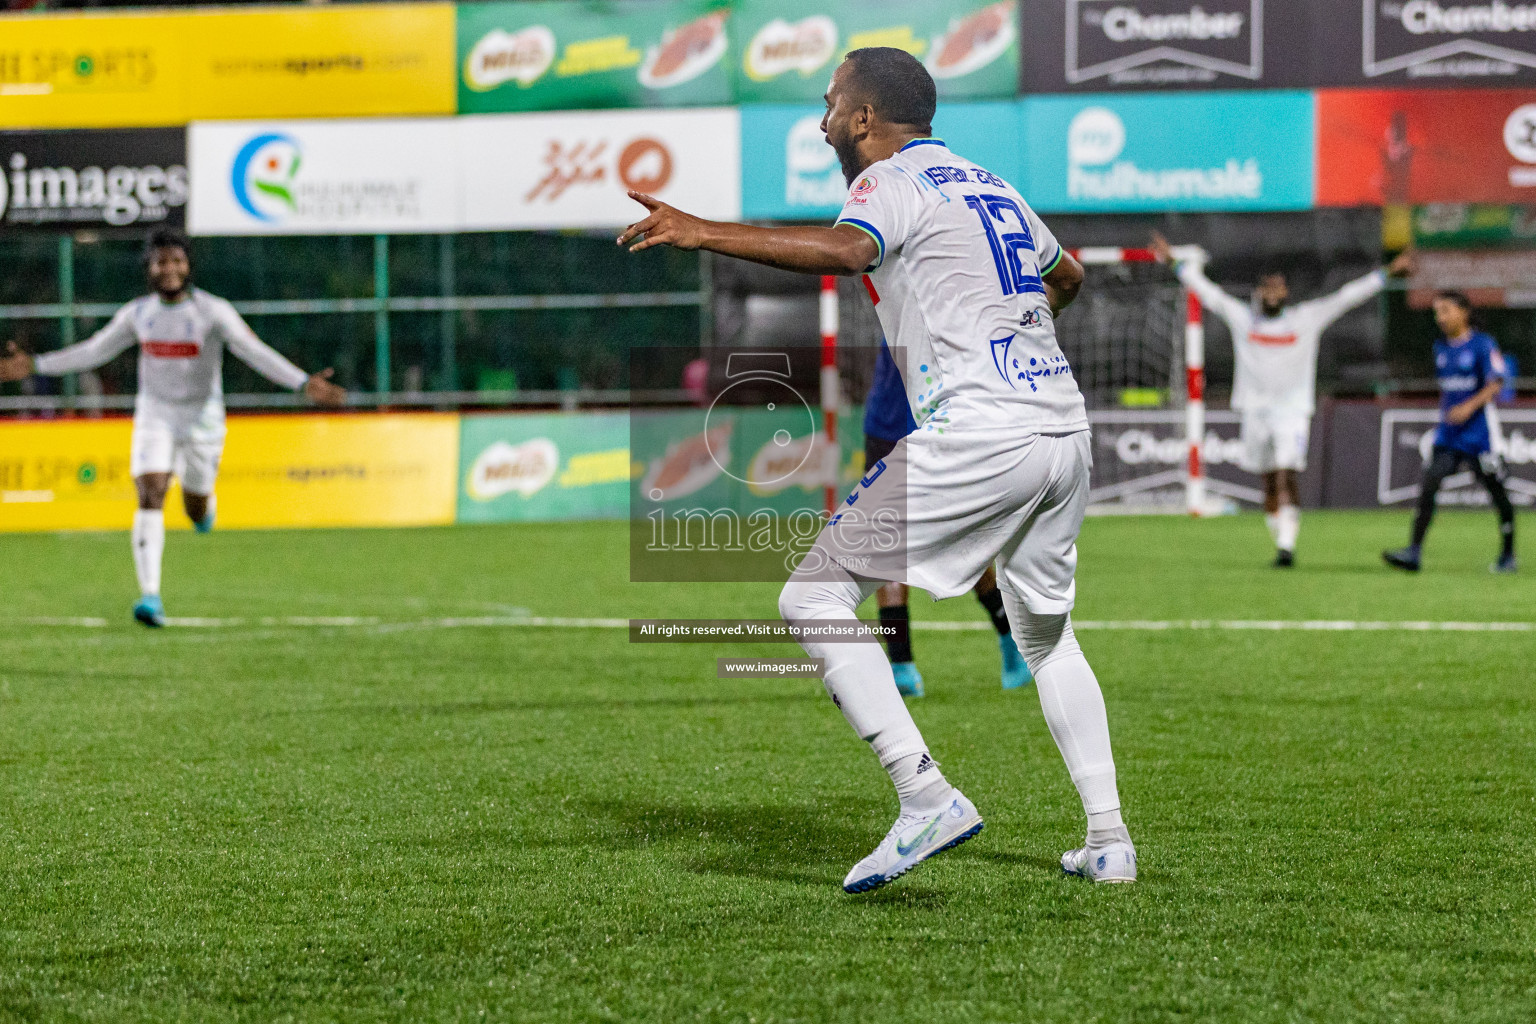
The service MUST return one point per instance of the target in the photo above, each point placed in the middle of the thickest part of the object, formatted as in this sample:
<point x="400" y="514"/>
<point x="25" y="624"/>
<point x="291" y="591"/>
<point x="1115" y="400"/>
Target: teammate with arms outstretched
<point x="1471" y="372"/>
<point x="178" y="417"/>
<point x="888" y="419"/>
<point x="1274" y="391"/>
<point x="966" y="280"/>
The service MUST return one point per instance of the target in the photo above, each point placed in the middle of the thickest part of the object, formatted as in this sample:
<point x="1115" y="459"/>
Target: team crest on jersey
<point x="861" y="191"/>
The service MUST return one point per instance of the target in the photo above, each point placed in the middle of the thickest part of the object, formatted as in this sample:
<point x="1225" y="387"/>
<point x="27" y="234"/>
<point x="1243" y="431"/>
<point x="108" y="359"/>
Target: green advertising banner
<point x="1474" y="226"/>
<point x="741" y="459"/>
<point x="569" y="54"/>
<point x="786" y="49"/>
<point x="543" y="467"/>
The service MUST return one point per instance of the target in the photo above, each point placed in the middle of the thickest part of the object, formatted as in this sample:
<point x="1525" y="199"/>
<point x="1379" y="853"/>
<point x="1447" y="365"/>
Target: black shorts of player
<point x="877" y="448"/>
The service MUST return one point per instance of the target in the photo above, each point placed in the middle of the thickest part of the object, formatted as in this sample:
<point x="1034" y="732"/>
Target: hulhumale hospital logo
<point x="263" y="176"/>
<point x="1096" y="138"/>
<point x="275" y="181"/>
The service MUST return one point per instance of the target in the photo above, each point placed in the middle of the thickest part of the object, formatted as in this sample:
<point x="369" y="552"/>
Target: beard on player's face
<point x="169" y="272"/>
<point x="848" y="156"/>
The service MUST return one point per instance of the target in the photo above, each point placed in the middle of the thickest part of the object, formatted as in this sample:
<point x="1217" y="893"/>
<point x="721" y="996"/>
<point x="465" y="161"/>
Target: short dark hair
<point x="166" y="238"/>
<point x="894" y="83"/>
<point x="1461" y="299"/>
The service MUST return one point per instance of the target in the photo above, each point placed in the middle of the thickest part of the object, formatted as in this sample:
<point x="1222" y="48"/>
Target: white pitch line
<point x="56" y="620"/>
<point x="947" y="626"/>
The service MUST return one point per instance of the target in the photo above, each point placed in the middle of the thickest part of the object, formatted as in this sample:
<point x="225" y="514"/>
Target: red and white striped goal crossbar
<point x="1194" y="363"/>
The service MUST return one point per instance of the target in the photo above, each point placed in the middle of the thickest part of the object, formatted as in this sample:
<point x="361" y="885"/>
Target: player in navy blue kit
<point x="888" y="419"/>
<point x="1471" y="372"/>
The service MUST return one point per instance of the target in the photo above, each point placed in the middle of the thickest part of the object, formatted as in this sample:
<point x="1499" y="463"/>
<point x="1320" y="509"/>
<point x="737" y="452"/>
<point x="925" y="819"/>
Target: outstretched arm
<point x="271" y="364"/>
<point x="97" y="350"/>
<point x="1330" y="307"/>
<point x="810" y="250"/>
<point x="1192" y="275"/>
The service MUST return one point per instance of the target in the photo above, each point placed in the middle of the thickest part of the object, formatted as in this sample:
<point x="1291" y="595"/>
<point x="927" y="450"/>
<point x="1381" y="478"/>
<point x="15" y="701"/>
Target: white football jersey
<point x="957" y="287"/>
<point x="181" y="351"/>
<point x="1276" y="356"/>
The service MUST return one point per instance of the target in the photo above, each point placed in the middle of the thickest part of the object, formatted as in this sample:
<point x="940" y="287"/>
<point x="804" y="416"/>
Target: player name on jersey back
<point x="958" y="281"/>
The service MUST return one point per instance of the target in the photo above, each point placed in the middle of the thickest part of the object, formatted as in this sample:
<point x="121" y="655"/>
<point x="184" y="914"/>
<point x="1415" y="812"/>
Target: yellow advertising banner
<point x="355" y="470"/>
<point x="92" y="71"/>
<point x="278" y="471"/>
<point x="65" y="475"/>
<point x="133" y="70"/>
<point x="347" y="60"/>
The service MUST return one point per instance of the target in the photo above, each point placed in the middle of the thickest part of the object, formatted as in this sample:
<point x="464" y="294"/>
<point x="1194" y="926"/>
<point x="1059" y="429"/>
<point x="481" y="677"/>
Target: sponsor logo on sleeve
<point x="1431" y="39"/>
<point x="1148" y="42"/>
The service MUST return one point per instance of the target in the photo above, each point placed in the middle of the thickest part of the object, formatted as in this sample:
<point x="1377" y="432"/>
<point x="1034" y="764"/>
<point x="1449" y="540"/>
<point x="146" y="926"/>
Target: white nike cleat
<point x="913" y="839"/>
<point x="1113" y="863"/>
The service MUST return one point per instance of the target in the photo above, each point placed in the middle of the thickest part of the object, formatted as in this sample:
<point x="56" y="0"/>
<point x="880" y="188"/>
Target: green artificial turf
<point x="410" y="823"/>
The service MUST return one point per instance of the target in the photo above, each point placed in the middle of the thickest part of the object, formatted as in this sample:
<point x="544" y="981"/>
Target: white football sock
<point x="859" y="681"/>
<point x="1106" y="827"/>
<point x="919" y="783"/>
<point x="148" y="547"/>
<point x="1272" y="520"/>
<point x="1290" y="527"/>
<point x="1072" y="702"/>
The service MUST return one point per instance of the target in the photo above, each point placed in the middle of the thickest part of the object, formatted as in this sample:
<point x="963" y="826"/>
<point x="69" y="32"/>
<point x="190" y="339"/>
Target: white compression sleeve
<point x="858" y="675"/>
<point x="148" y="548"/>
<point x="1071" y="700"/>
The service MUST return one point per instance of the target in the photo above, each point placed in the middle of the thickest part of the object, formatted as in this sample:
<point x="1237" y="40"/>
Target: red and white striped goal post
<point x="1194" y="362"/>
<point x="830" y="385"/>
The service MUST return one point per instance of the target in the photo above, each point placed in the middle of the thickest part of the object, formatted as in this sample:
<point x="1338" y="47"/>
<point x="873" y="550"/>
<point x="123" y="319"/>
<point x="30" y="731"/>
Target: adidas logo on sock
<point x="926" y="763"/>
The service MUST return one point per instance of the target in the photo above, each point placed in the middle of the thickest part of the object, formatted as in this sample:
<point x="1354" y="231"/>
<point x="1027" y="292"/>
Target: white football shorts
<point x="942" y="507"/>
<point x="1275" y="439"/>
<point x="174" y="441"/>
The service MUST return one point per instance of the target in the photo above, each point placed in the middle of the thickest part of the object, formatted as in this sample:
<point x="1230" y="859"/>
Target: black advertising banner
<point x="1438" y="43"/>
<point x="107" y="178"/>
<point x="1101" y="45"/>
<point x="1104" y="45"/>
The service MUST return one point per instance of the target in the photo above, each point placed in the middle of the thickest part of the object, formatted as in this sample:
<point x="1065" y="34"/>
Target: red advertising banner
<point x="1377" y="147"/>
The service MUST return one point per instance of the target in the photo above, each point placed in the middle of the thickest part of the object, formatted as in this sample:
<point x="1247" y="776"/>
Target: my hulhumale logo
<point x="263" y="176"/>
<point x="1096" y="138"/>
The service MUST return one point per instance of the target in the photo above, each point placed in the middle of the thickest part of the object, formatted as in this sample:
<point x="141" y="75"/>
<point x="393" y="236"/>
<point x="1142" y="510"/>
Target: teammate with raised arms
<point x="1274" y="390"/>
<point x="967" y="281"/>
<point x="178" y="416"/>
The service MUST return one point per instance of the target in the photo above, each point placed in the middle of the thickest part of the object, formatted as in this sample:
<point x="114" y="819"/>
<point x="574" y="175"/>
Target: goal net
<point x="1136" y="345"/>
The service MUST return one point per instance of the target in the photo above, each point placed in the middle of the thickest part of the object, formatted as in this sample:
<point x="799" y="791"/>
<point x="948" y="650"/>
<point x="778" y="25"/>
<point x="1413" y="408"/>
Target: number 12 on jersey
<point x="1007" y="246"/>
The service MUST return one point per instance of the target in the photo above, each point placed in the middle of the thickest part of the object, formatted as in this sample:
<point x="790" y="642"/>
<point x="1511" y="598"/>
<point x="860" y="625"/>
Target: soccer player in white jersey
<point x="967" y="281"/>
<point x="1275" y="346"/>
<point x="178" y="417"/>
